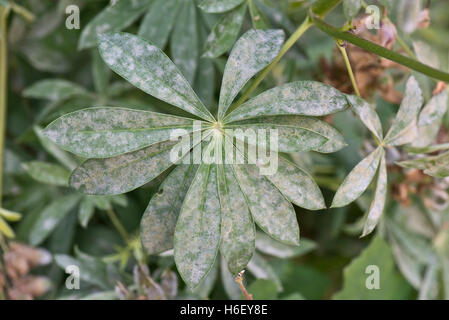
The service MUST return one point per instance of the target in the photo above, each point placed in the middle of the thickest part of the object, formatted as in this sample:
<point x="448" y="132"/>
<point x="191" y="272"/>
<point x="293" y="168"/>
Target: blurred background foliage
<point x="53" y="70"/>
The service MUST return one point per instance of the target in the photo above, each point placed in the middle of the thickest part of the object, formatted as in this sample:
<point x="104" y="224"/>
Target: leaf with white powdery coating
<point x="377" y="206"/>
<point x="237" y="226"/>
<point x="149" y="69"/>
<point x="306" y="98"/>
<point x="197" y="233"/>
<point x="224" y="33"/>
<point x="159" y="21"/>
<point x="251" y="53"/>
<point x="54" y="90"/>
<point x="122" y="173"/>
<point x="404" y="127"/>
<point x="367" y="114"/>
<point x="351" y="8"/>
<point x="184" y="41"/>
<point x="358" y="179"/>
<point x="334" y="139"/>
<point x="262" y="269"/>
<point x="217" y="6"/>
<point x="114" y="17"/>
<point x="434" y="109"/>
<point x="107" y="132"/>
<point x="272" y="212"/>
<point x="268" y="245"/>
<point x="159" y="220"/>
<point x="297" y="185"/>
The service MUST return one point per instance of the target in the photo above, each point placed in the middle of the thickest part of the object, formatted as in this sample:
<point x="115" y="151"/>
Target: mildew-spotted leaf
<point x="297" y="185"/>
<point x="307" y="98"/>
<point x="368" y="115"/>
<point x="286" y="143"/>
<point x="404" y="127"/>
<point x="358" y="179"/>
<point x="217" y="6"/>
<point x="272" y="212"/>
<point x="291" y="138"/>
<point x="197" y="233"/>
<point x="114" y="17"/>
<point x="377" y="206"/>
<point x="224" y="33"/>
<point x="101" y="74"/>
<point x="107" y="132"/>
<point x="184" y="44"/>
<point x="237" y="226"/>
<point x="122" y="173"/>
<point x="158" y="21"/>
<point x="251" y="53"/>
<point x="159" y="220"/>
<point x="149" y="69"/>
<point x="229" y="285"/>
<point x="49" y="173"/>
<point x="54" y="90"/>
<point x="267" y="245"/>
<point x="351" y="8"/>
<point x="50" y="216"/>
<point x="434" y="109"/>
<point x="426" y="54"/>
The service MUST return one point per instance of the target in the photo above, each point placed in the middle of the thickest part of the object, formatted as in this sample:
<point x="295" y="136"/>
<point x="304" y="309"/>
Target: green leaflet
<point x="297" y="185"/>
<point x="205" y="82"/>
<point x="251" y="53"/>
<point x="149" y="69"/>
<point x="107" y="132"/>
<point x="230" y="286"/>
<point x="224" y="33"/>
<point x="290" y="138"/>
<point x="272" y="212"/>
<point x="428" y="149"/>
<point x="334" y="142"/>
<point x="257" y="17"/>
<point x="267" y="245"/>
<point x="159" y="220"/>
<point x="262" y="269"/>
<point x="50" y="217"/>
<point x="54" y="90"/>
<point x="217" y="6"/>
<point x="351" y="8"/>
<point x="391" y="284"/>
<point x="85" y="211"/>
<point x="197" y="233"/>
<point x="184" y="41"/>
<point x="404" y="129"/>
<point x="358" y="179"/>
<point x="368" y="115"/>
<point x="237" y="227"/>
<point x="101" y="74"/>
<point x="434" y="109"/>
<point x="122" y="173"/>
<point x="307" y="98"/>
<point x="10" y="215"/>
<point x="113" y="18"/>
<point x="159" y="21"/>
<point x="377" y="206"/>
<point x="48" y="173"/>
<point x="5" y="229"/>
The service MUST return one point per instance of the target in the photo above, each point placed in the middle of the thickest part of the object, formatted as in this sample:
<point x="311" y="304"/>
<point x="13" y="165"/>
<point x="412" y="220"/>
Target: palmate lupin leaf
<point x="403" y="130"/>
<point x="201" y="209"/>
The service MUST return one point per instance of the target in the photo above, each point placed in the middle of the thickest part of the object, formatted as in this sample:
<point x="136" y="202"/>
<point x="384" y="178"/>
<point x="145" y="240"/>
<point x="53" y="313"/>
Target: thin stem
<point x="405" y="47"/>
<point x="4" y="12"/>
<point x="348" y="67"/>
<point x="287" y="45"/>
<point x="117" y="224"/>
<point x="239" y="280"/>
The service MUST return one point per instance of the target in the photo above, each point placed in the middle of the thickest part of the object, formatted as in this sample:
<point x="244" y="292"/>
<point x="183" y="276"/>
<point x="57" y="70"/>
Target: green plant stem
<point x="4" y="12"/>
<point x="348" y="67"/>
<point x="379" y="50"/>
<point x="117" y="224"/>
<point x="287" y="45"/>
<point x="405" y="47"/>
